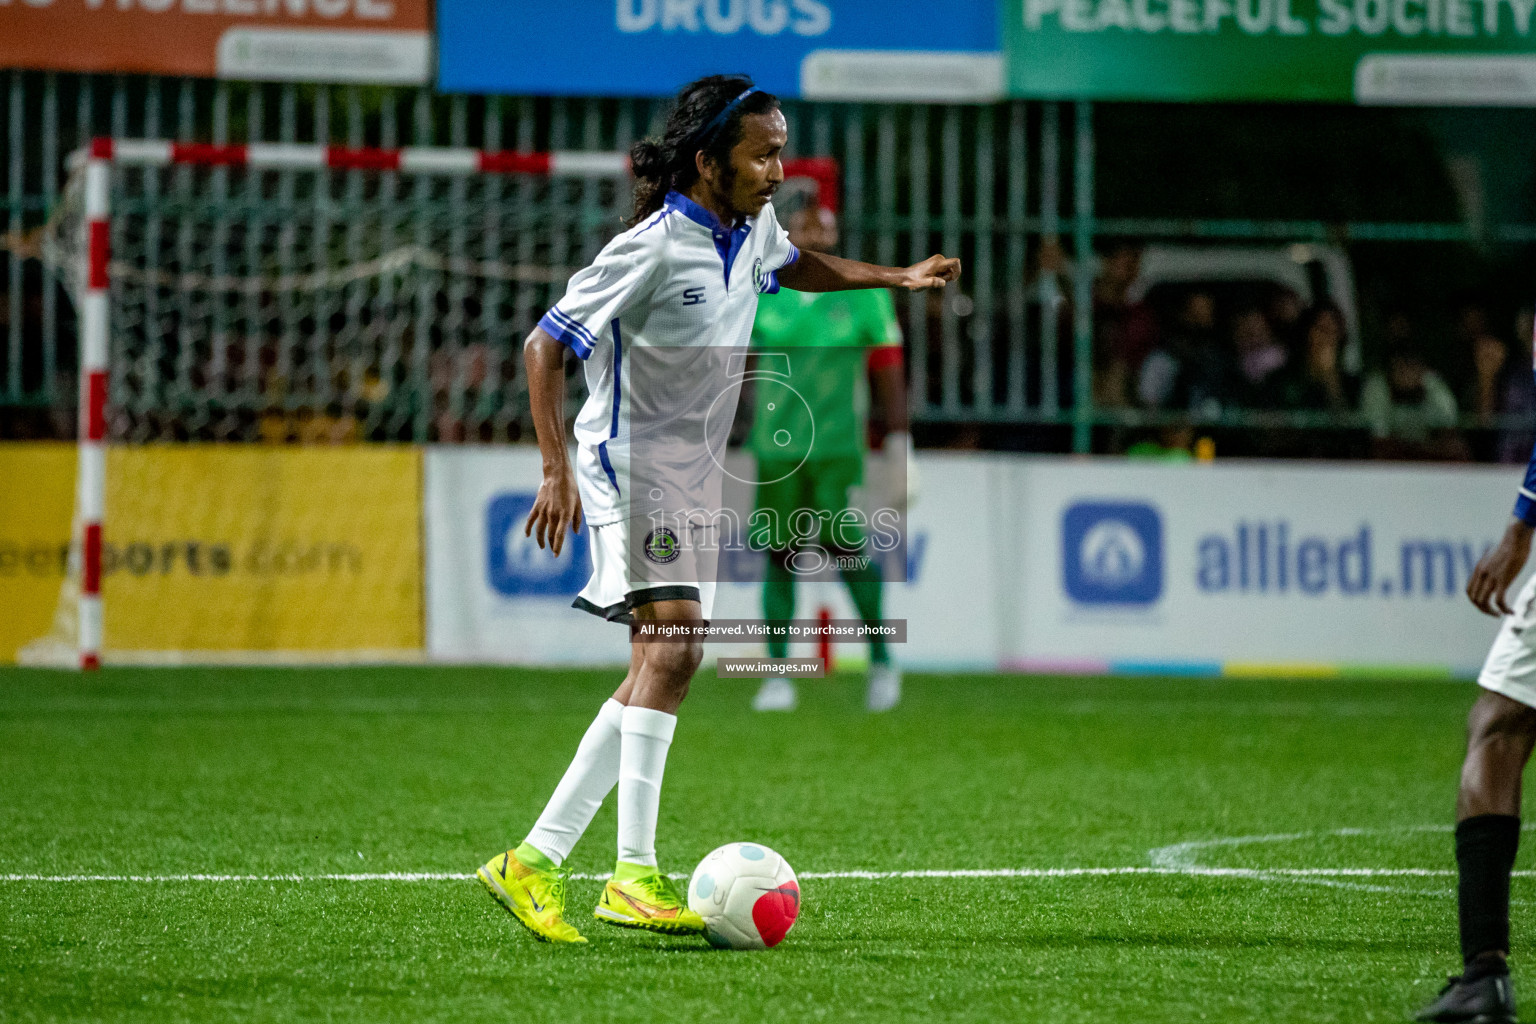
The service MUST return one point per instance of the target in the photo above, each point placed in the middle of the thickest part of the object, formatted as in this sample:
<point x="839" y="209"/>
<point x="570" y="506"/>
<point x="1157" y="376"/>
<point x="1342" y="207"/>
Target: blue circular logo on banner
<point x="1112" y="553"/>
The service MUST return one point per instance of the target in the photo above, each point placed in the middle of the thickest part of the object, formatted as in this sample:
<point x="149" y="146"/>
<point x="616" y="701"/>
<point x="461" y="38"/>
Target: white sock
<point x="585" y="785"/>
<point x="642" y="760"/>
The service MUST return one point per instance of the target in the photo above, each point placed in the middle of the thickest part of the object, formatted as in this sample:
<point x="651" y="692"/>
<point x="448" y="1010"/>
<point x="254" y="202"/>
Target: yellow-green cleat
<point x="638" y="896"/>
<point x="535" y="897"/>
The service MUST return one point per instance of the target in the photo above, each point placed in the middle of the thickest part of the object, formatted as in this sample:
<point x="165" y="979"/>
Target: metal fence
<point x="991" y="183"/>
<point x="978" y="181"/>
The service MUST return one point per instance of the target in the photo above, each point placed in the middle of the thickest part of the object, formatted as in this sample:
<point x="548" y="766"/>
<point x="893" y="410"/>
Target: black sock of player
<point x="1485" y="855"/>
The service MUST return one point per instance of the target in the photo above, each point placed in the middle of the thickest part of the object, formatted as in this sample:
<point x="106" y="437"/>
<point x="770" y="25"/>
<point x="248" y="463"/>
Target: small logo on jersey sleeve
<point x="693" y="296"/>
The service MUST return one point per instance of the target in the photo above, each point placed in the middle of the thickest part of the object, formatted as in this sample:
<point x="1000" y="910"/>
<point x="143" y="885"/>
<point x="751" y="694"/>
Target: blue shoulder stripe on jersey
<point x="567" y="332"/>
<point x="664" y="211"/>
<point x="569" y="323"/>
<point x="1525" y="504"/>
<point x="573" y="324"/>
<point x="773" y="276"/>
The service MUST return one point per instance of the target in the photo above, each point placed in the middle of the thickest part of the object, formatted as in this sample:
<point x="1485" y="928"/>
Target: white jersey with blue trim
<point x="674" y="284"/>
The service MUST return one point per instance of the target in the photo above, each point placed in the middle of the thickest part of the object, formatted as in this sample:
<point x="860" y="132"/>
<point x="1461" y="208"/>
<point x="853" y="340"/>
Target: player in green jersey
<point x="810" y="453"/>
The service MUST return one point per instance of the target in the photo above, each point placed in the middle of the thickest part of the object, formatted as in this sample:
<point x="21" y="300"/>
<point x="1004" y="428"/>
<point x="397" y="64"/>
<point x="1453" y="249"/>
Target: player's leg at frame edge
<point x="1501" y="732"/>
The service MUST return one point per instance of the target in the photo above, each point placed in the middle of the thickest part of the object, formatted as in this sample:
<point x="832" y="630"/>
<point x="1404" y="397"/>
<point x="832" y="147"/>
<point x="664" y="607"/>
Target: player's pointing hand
<point x="933" y="272"/>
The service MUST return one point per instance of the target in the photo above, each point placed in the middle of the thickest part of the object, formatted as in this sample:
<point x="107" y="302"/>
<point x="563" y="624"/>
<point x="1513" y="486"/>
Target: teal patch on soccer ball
<point x="751" y="852"/>
<point x="704" y="888"/>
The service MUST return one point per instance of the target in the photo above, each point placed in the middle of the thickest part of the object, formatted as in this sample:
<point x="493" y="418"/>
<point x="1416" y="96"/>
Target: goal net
<point x="267" y="333"/>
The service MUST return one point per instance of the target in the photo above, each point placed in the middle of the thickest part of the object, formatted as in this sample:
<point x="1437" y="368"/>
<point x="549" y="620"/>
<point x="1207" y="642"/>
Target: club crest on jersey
<point x="759" y="279"/>
<point x="661" y="546"/>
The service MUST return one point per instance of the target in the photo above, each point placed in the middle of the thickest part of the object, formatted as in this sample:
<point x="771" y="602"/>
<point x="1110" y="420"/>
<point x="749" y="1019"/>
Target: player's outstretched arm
<point x="1498" y="568"/>
<point x="558" y="505"/>
<point x="819" y="272"/>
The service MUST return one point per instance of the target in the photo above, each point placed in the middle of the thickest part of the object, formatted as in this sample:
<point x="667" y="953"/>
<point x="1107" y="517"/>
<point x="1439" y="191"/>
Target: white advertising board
<point x="1246" y="566"/>
<point x="491" y="594"/>
<point x="1039" y="563"/>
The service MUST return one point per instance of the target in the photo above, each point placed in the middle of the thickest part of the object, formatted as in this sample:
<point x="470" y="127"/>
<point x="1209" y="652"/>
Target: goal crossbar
<point x="445" y="160"/>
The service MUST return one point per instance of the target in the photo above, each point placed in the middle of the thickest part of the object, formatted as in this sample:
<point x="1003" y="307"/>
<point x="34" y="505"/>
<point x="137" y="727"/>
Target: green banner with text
<point x="1403" y="52"/>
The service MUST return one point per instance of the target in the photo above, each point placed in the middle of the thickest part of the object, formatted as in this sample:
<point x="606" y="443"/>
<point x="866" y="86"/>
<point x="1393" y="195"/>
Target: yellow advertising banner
<point x="219" y="549"/>
<point x="37" y="499"/>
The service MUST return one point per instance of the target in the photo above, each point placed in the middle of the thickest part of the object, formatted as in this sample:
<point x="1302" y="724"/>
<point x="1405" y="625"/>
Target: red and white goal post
<point x="222" y="274"/>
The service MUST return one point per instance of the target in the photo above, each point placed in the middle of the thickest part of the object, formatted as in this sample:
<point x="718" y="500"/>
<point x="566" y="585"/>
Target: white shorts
<point x="1511" y="665"/>
<point x="621" y="582"/>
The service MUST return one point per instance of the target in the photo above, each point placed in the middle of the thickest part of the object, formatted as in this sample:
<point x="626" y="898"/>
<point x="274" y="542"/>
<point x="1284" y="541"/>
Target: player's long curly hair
<point x="661" y="165"/>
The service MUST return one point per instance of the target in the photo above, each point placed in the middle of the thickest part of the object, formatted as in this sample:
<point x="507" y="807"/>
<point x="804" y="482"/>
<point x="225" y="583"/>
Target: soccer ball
<point x="746" y="894"/>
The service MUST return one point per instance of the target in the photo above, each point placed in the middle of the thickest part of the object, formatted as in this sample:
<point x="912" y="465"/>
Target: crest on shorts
<point x="661" y="546"/>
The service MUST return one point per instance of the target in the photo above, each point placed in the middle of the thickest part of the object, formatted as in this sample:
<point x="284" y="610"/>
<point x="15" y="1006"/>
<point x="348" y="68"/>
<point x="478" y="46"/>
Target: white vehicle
<point x="1314" y="272"/>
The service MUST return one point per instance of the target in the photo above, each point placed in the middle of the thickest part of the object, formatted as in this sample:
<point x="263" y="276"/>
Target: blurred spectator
<point x="1519" y="397"/>
<point x="1490" y="364"/>
<point x="1285" y="311"/>
<point x="1483" y="394"/>
<point x="1412" y="411"/>
<point x="1472" y="323"/>
<point x="1260" y="357"/>
<point x="1482" y="358"/>
<point x="1315" y="380"/>
<point x="1187" y="369"/>
<point x="1124" y="332"/>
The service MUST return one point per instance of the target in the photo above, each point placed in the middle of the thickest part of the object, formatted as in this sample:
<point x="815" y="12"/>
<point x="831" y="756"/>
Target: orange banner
<point x="375" y="41"/>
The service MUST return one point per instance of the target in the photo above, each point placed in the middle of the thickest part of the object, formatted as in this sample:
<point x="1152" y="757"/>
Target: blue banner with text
<point x="831" y="49"/>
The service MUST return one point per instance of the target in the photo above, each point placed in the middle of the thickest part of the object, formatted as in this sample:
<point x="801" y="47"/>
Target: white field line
<point x="1178" y="859"/>
<point x="1185" y="857"/>
<point x="446" y="876"/>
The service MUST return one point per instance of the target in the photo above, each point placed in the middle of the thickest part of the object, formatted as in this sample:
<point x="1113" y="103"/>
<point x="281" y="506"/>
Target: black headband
<point x="712" y="129"/>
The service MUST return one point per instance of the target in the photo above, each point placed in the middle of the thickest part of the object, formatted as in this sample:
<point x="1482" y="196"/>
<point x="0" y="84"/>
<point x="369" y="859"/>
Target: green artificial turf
<point x="371" y="770"/>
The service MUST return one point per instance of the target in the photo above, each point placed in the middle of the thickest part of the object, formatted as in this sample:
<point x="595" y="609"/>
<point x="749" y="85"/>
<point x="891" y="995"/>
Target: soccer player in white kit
<point x="658" y="319"/>
<point x="1501" y="731"/>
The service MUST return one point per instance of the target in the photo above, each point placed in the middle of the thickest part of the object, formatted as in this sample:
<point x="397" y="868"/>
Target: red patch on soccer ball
<point x="775" y="912"/>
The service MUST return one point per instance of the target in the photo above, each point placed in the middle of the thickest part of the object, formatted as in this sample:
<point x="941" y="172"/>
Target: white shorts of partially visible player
<point x="1511" y="665"/>
<point x="627" y="562"/>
